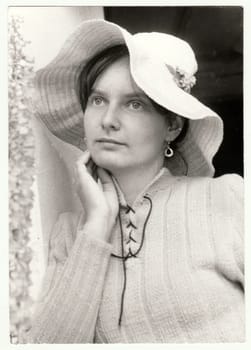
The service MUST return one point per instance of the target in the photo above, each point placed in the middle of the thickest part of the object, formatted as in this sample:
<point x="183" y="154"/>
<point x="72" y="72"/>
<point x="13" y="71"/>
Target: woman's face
<point x="123" y="130"/>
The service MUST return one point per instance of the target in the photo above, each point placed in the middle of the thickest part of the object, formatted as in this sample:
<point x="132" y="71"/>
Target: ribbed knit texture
<point x="186" y="285"/>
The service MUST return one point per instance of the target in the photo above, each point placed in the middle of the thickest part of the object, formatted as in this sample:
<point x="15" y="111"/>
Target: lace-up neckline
<point x="131" y="241"/>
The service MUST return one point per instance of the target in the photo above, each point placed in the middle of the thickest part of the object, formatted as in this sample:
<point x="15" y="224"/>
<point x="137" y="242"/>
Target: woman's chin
<point x="109" y="163"/>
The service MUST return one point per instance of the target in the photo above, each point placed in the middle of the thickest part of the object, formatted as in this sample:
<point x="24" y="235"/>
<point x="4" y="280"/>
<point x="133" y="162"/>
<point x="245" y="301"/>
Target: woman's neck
<point x="133" y="181"/>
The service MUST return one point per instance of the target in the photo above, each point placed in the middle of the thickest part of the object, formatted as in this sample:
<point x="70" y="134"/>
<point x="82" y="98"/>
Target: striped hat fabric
<point x="160" y="63"/>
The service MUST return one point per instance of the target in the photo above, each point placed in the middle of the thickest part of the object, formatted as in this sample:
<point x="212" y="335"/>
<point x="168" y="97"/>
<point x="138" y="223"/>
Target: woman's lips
<point x="110" y="141"/>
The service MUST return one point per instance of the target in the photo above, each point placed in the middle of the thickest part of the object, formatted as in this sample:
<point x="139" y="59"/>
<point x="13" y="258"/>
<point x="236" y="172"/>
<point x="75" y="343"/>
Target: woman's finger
<point x="84" y="159"/>
<point x="104" y="176"/>
<point x="92" y="168"/>
<point x="106" y="179"/>
<point x="85" y="162"/>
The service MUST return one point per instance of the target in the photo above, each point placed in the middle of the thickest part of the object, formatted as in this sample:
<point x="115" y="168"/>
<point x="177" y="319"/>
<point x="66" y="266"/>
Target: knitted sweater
<point x="184" y="285"/>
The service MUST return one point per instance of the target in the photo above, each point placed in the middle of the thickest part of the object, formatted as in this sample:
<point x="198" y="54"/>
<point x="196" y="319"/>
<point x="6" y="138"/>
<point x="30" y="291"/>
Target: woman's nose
<point x="110" y="119"/>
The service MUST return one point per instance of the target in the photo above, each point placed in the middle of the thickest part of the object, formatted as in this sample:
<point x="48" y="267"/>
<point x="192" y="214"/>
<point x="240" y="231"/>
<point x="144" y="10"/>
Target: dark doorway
<point x="216" y="35"/>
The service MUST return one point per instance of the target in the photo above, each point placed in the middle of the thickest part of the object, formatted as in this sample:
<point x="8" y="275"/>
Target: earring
<point x="84" y="139"/>
<point x="168" y="150"/>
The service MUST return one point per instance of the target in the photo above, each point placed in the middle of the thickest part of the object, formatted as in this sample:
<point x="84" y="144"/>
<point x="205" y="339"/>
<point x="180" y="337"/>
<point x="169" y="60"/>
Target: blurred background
<point x="41" y="165"/>
<point x="216" y="36"/>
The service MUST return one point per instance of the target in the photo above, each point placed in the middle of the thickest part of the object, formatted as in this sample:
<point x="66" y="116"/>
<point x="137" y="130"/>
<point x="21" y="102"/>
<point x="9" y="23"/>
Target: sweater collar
<point x="160" y="181"/>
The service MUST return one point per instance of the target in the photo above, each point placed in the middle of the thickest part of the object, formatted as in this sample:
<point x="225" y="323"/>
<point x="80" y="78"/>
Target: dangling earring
<point x="84" y="139"/>
<point x="168" y="150"/>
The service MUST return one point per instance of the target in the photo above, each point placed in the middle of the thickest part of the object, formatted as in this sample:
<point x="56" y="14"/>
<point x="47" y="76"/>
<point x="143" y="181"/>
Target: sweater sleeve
<point x="67" y="308"/>
<point x="227" y="202"/>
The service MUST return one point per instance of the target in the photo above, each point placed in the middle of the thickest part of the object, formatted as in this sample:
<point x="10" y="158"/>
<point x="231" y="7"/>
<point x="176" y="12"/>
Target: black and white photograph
<point x="126" y="174"/>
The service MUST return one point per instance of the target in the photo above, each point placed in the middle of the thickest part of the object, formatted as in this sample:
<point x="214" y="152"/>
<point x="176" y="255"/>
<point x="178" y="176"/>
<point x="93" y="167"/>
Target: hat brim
<point x="57" y="102"/>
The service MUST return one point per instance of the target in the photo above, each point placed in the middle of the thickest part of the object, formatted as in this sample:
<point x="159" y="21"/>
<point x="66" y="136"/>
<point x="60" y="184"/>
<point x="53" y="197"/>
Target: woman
<point x="155" y="254"/>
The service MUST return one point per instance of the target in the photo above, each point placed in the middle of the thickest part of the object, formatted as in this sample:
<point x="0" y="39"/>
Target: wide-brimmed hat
<point x="162" y="65"/>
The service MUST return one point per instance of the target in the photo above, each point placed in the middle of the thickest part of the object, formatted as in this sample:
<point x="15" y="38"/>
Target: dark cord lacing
<point x="130" y="254"/>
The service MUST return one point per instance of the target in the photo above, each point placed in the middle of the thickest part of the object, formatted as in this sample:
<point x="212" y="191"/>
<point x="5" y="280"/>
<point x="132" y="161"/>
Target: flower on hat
<point x="184" y="80"/>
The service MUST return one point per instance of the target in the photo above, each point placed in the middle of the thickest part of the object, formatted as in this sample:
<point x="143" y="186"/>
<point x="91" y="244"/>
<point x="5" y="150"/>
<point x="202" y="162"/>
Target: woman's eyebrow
<point x="125" y="95"/>
<point x="137" y="95"/>
<point x="97" y="91"/>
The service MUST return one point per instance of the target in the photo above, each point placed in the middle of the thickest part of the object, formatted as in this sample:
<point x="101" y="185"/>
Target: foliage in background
<point x="21" y="177"/>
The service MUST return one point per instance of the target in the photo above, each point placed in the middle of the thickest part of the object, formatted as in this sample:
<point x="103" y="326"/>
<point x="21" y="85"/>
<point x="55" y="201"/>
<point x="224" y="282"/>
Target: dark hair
<point x="97" y="65"/>
<point x="94" y="67"/>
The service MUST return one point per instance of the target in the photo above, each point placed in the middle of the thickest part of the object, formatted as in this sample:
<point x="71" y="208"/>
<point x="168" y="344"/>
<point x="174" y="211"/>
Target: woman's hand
<point x="99" y="201"/>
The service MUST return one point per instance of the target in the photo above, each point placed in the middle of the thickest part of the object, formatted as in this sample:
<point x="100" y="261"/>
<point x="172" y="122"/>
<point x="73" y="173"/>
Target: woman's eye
<point x="135" y="105"/>
<point x="97" y="100"/>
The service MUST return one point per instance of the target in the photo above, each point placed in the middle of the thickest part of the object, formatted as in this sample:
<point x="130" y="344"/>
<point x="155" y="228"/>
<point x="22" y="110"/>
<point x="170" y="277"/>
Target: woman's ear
<point x="174" y="127"/>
